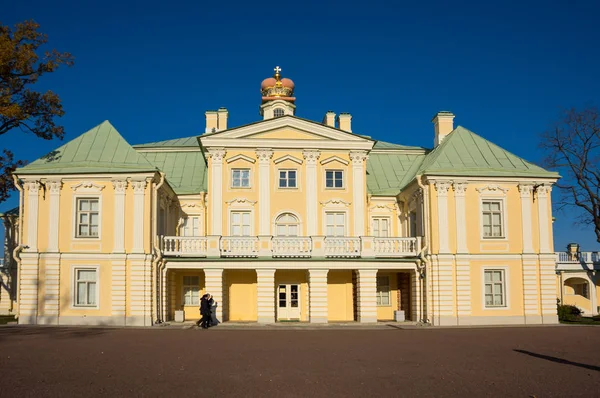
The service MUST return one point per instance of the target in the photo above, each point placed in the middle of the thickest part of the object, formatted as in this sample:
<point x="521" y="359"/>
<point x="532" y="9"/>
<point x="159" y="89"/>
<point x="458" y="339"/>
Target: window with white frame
<point x="495" y="288"/>
<point x="412" y="224"/>
<point x="88" y="217"/>
<point x="86" y="287"/>
<point x="492" y="219"/>
<point x="334" y="178"/>
<point x="287" y="178"/>
<point x="191" y="290"/>
<point x="287" y="225"/>
<point x="240" y="178"/>
<point x="278" y="112"/>
<point x="240" y="223"/>
<point x="191" y="226"/>
<point x="380" y="227"/>
<point x="383" y="291"/>
<point x="581" y="289"/>
<point x="335" y="224"/>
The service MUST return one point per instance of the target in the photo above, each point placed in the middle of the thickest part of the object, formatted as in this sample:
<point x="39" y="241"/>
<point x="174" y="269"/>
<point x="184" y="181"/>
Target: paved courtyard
<point x="385" y="361"/>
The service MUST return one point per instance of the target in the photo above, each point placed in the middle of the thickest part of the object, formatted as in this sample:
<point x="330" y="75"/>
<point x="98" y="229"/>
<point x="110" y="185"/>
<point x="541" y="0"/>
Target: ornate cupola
<point x="277" y="96"/>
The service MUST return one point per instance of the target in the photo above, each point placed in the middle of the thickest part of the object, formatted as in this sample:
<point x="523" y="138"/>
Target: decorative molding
<point x="335" y="158"/>
<point x="120" y="186"/>
<point x="311" y="156"/>
<point x="335" y="203"/>
<point x="543" y="191"/>
<point x="217" y="154"/>
<point x="492" y="188"/>
<point x="525" y="190"/>
<point x="87" y="186"/>
<point x="264" y="155"/>
<point x="288" y="157"/>
<point x="241" y="157"/>
<point x="238" y="201"/>
<point x="442" y="187"/>
<point x="54" y="186"/>
<point x="460" y="188"/>
<point x="191" y="205"/>
<point x="138" y="186"/>
<point x="388" y="207"/>
<point x="358" y="157"/>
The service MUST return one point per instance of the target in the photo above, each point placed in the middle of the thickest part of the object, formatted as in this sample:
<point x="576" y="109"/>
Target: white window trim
<point x="250" y="175"/>
<point x="506" y="288"/>
<point x="188" y="217"/>
<point x="389" y="291"/>
<point x="504" y="207"/>
<point x="346" y="221"/>
<point x="74" y="269"/>
<point x="183" y="286"/>
<point x="75" y="208"/>
<point x="389" y="220"/>
<point x="296" y="188"/>
<point x="237" y="210"/>
<point x="300" y="223"/>
<point x="344" y="182"/>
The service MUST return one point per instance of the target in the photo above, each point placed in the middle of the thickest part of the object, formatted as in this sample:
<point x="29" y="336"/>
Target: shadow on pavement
<point x="559" y="360"/>
<point x="51" y="331"/>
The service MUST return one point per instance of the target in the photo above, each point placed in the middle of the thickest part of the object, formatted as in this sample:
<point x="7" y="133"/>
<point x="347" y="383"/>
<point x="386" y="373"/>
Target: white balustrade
<point x="291" y="246"/>
<point x="342" y="247"/>
<point x="239" y="246"/>
<point x="585" y="257"/>
<point x="184" y="246"/>
<point x="395" y="247"/>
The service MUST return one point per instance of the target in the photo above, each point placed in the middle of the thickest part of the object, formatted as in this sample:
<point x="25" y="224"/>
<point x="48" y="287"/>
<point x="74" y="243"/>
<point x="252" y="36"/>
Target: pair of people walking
<point x="208" y="311"/>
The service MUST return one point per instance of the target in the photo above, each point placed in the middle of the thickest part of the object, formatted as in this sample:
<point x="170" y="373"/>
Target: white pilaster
<point x="140" y="290"/>
<point x="216" y="189"/>
<point x="120" y="187"/>
<point x="525" y="191"/>
<point x="443" y="310"/>
<point x="542" y="197"/>
<point x="54" y="214"/>
<point x="416" y="299"/>
<point x="264" y="187"/>
<point x="31" y="211"/>
<point x="548" y="288"/>
<point x="311" y="157"/>
<point x="119" y="285"/>
<point x="318" y="295"/>
<point x="214" y="286"/>
<point x="463" y="289"/>
<point x="28" y="288"/>
<point x="367" y="295"/>
<point x="265" y="279"/>
<point x="442" y="202"/>
<point x="461" y="217"/>
<point x="531" y="294"/>
<point x="51" y="290"/>
<point x="139" y="190"/>
<point x="358" y="190"/>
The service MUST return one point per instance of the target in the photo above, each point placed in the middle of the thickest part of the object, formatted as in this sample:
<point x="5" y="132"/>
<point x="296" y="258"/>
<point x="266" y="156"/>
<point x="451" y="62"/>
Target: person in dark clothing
<point x="205" y="311"/>
<point x="213" y="311"/>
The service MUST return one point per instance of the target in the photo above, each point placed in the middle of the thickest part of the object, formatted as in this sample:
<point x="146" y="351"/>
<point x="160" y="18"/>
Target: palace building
<point x="282" y="219"/>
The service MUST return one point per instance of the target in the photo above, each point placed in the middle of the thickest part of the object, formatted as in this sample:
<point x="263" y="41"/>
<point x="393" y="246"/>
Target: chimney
<point x="329" y="119"/>
<point x="222" y="119"/>
<point x="443" y="124"/>
<point x="345" y="120"/>
<point x="211" y="121"/>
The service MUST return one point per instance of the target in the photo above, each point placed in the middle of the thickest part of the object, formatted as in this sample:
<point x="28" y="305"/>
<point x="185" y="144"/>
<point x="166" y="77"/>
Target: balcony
<point x="289" y="247"/>
<point x="577" y="261"/>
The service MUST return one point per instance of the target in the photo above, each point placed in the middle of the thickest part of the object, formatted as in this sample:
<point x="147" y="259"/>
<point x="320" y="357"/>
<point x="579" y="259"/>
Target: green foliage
<point x="568" y="313"/>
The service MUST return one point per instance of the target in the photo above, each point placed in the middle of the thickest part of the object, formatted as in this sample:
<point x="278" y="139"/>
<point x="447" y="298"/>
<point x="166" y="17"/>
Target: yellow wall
<point x="67" y="289"/>
<point x="241" y="295"/>
<point x="514" y="287"/>
<point x="339" y="296"/>
<point x="386" y="313"/>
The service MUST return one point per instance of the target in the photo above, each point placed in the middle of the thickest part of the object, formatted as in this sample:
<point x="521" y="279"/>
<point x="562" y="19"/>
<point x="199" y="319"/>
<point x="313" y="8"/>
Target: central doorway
<point x="288" y="302"/>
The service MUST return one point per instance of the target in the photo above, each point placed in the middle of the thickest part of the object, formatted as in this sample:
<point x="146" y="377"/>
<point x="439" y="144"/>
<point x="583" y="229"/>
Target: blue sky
<point x="152" y="68"/>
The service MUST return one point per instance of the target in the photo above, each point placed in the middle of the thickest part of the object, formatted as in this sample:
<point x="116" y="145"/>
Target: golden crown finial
<point x="277" y="76"/>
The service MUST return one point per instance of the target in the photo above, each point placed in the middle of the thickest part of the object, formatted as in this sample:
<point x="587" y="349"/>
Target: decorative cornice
<point x="264" y="155"/>
<point x="335" y="203"/>
<point x="460" y="188"/>
<point x="32" y="186"/>
<point x="138" y="186"/>
<point x="442" y="187"/>
<point x="311" y="156"/>
<point x="54" y="186"/>
<point x="492" y="188"/>
<point x="87" y="186"/>
<point x="241" y="157"/>
<point x="120" y="186"/>
<point x="217" y="154"/>
<point x="333" y="159"/>
<point x="237" y="201"/>
<point x="358" y="157"/>
<point x="287" y="157"/>
<point x="543" y="191"/>
<point x="525" y="190"/>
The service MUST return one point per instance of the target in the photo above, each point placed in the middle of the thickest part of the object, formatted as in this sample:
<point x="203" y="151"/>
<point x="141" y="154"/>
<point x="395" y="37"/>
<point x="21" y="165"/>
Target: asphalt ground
<point x="562" y="361"/>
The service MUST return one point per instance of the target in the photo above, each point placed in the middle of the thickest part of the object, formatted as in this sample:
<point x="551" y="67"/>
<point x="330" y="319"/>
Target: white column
<point x="54" y="214"/>
<point x="140" y="290"/>
<point x="264" y="191"/>
<point x="442" y="202"/>
<point x="311" y="157"/>
<point x="214" y="286"/>
<point x="358" y="190"/>
<point x="31" y="211"/>
<point x="463" y="289"/>
<point x="416" y="297"/>
<point x="139" y="190"/>
<point x="461" y="217"/>
<point x="367" y="295"/>
<point x="548" y="288"/>
<point x="216" y="189"/>
<point x="265" y="289"/>
<point x="318" y="295"/>
<point x="119" y="285"/>
<point x="525" y="191"/>
<point x="51" y="290"/>
<point x="120" y="187"/>
<point x="544" y="224"/>
<point x="28" y="288"/>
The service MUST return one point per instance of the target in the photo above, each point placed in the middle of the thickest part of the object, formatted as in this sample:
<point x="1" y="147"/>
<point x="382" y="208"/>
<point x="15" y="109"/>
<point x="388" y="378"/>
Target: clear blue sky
<point x="152" y="68"/>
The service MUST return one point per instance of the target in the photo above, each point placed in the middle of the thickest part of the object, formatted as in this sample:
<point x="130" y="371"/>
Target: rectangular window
<point x="191" y="226"/>
<point x="88" y="218"/>
<point x="240" y="223"/>
<point x="335" y="224"/>
<point x="495" y="293"/>
<point x="86" y="280"/>
<point x="240" y="178"/>
<point x="383" y="291"/>
<point x="334" y="179"/>
<point x="380" y="227"/>
<point x="287" y="179"/>
<point x="492" y="219"/>
<point x="412" y="224"/>
<point x="191" y="290"/>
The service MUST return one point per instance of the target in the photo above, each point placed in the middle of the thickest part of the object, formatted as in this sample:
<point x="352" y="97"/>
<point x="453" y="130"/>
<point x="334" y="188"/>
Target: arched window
<point x="278" y="112"/>
<point x="287" y="225"/>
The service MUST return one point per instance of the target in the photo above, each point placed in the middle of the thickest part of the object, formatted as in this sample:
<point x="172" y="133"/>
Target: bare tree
<point x="572" y="148"/>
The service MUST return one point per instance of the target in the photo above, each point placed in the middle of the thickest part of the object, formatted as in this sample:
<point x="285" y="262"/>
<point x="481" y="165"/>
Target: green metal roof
<point x="388" y="145"/>
<point x="388" y="173"/>
<point x="185" y="171"/>
<point x="99" y="150"/>
<point x="177" y="142"/>
<point x="464" y="153"/>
